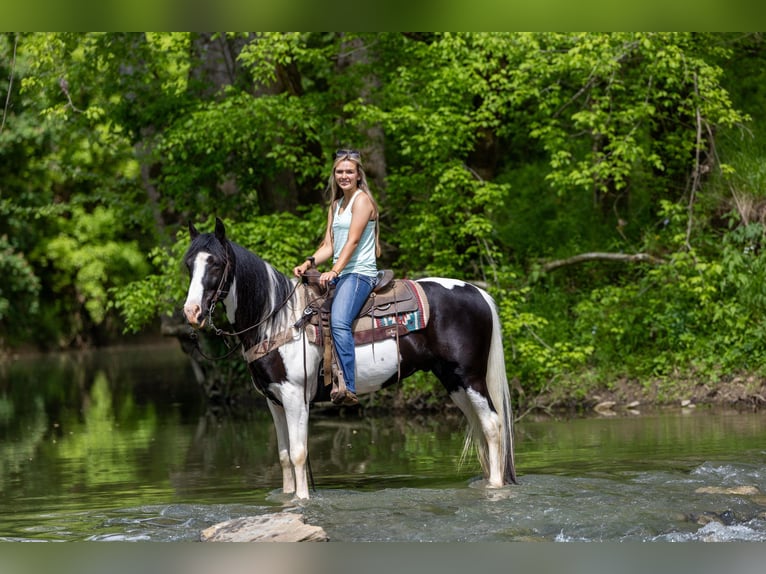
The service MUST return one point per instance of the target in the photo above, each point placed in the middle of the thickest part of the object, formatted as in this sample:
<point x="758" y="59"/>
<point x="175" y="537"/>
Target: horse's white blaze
<point x="193" y="304"/>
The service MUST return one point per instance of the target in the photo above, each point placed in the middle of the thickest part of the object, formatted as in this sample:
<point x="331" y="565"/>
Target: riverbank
<point x="584" y="397"/>
<point x="746" y="392"/>
<point x="580" y="395"/>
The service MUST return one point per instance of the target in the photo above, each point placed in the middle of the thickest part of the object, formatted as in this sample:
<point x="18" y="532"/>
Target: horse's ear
<point x="192" y="230"/>
<point x="220" y="230"/>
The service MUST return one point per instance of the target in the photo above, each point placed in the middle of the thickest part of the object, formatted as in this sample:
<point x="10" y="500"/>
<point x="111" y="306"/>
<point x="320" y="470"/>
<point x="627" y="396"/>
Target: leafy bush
<point x="20" y="288"/>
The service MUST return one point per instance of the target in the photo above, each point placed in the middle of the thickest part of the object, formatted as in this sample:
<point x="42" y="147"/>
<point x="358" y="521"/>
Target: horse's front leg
<point x="297" y="416"/>
<point x="283" y="446"/>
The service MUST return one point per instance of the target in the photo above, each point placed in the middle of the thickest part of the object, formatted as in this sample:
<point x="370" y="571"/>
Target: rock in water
<point x="605" y="408"/>
<point x="279" y="527"/>
<point x="740" y="490"/>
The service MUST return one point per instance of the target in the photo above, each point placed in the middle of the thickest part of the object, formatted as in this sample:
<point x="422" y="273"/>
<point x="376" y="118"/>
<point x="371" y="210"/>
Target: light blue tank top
<point x="363" y="261"/>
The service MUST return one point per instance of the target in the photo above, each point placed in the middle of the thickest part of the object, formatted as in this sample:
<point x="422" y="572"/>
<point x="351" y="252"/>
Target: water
<point x="119" y="445"/>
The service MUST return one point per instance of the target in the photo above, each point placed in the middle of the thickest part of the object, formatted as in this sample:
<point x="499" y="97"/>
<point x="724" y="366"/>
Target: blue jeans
<point x="351" y="291"/>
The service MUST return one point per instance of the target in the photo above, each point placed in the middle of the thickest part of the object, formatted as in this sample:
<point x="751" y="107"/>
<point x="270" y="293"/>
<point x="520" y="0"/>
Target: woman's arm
<point x="324" y="252"/>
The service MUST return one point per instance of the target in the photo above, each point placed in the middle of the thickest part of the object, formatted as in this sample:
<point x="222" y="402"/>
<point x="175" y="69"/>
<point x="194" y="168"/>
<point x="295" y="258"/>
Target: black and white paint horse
<point x="461" y="345"/>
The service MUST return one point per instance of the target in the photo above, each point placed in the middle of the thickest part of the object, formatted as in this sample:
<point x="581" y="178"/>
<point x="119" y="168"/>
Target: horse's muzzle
<point x="193" y="313"/>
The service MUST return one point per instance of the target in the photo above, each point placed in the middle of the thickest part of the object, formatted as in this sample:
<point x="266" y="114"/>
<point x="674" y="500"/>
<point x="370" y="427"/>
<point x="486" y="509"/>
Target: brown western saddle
<point x="394" y="308"/>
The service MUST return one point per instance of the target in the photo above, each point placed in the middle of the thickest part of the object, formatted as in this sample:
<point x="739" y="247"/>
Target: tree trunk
<point x="355" y="52"/>
<point x="214" y="63"/>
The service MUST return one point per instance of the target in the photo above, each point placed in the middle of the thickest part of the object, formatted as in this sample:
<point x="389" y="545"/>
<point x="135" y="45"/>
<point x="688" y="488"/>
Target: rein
<point x="195" y="337"/>
<point x="220" y="291"/>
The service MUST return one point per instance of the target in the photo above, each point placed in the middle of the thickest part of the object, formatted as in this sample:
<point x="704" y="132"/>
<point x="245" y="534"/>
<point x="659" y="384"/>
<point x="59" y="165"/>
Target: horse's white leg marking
<point x="283" y="447"/>
<point x="497" y="425"/>
<point x="492" y="428"/>
<point x="297" y="416"/>
<point x="486" y="430"/>
<point x="193" y="304"/>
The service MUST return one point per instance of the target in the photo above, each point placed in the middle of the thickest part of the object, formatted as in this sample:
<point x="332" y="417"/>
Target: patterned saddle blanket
<point x="393" y="312"/>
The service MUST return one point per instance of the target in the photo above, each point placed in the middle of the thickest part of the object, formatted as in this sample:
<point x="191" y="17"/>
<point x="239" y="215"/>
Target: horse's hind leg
<point x="283" y="447"/>
<point x="486" y="430"/>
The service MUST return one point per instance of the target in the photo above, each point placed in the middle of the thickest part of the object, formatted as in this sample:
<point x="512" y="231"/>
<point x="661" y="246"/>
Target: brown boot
<point x="344" y="397"/>
<point x="350" y="399"/>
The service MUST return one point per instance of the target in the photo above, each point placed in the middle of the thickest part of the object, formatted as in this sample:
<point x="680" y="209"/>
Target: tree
<point x="495" y="156"/>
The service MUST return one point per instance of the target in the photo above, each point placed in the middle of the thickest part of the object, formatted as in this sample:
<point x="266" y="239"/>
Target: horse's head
<point x="209" y="260"/>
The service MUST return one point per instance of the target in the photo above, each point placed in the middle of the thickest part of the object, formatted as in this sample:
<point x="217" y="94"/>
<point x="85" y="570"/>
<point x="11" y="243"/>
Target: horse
<point x="461" y="344"/>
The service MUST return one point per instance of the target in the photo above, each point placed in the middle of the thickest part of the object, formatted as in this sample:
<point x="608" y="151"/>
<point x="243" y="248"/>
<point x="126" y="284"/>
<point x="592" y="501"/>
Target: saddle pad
<point x="407" y="309"/>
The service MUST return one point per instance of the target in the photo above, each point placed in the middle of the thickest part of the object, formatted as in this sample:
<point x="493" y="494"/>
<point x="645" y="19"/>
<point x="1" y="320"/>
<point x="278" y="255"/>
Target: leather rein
<point x="220" y="291"/>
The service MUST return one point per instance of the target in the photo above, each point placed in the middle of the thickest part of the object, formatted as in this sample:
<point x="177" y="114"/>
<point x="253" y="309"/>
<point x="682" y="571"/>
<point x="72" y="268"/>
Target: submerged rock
<point x="605" y="408"/>
<point x="279" y="527"/>
<point x="738" y="490"/>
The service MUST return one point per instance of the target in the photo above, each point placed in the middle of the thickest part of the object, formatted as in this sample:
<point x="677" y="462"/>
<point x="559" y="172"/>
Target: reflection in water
<point x="119" y="445"/>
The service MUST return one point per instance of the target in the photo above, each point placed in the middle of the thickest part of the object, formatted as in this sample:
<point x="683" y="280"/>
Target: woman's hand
<point x="326" y="277"/>
<point x="301" y="269"/>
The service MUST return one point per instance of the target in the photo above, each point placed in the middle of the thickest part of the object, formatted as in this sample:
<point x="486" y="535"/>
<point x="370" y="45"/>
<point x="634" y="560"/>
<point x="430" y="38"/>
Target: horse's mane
<point x="259" y="280"/>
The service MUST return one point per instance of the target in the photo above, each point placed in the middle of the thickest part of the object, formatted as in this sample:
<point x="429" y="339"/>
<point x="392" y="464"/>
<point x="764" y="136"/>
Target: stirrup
<point x="346" y="399"/>
<point x="338" y="391"/>
<point x="340" y="395"/>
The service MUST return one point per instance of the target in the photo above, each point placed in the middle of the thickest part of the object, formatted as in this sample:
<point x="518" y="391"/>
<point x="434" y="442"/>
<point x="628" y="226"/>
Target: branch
<point x="598" y="256"/>
<point x="10" y="82"/>
<point x="695" y="183"/>
<point x="64" y="85"/>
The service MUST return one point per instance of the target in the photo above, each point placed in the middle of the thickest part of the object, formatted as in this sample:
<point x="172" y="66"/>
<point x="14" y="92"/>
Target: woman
<point x="352" y="241"/>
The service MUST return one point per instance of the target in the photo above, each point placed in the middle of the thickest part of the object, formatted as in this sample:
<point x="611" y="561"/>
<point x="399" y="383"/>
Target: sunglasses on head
<point x="352" y="153"/>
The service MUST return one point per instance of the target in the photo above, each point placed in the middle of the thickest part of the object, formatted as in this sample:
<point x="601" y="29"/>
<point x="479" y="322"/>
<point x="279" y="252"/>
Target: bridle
<point x="221" y="291"/>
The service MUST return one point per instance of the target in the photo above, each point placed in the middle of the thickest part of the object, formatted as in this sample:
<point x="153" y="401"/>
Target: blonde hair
<point x="334" y="193"/>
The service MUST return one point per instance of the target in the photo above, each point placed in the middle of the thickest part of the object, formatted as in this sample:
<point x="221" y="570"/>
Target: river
<point x="119" y="445"/>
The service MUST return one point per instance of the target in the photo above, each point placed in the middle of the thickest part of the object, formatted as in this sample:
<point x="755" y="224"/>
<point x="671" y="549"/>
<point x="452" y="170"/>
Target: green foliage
<point x="743" y="268"/>
<point x="282" y="239"/>
<point x="87" y="257"/>
<point x="635" y="96"/>
<point x="20" y="289"/>
<point x="691" y="312"/>
<point x="155" y="294"/>
<point x="489" y="153"/>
